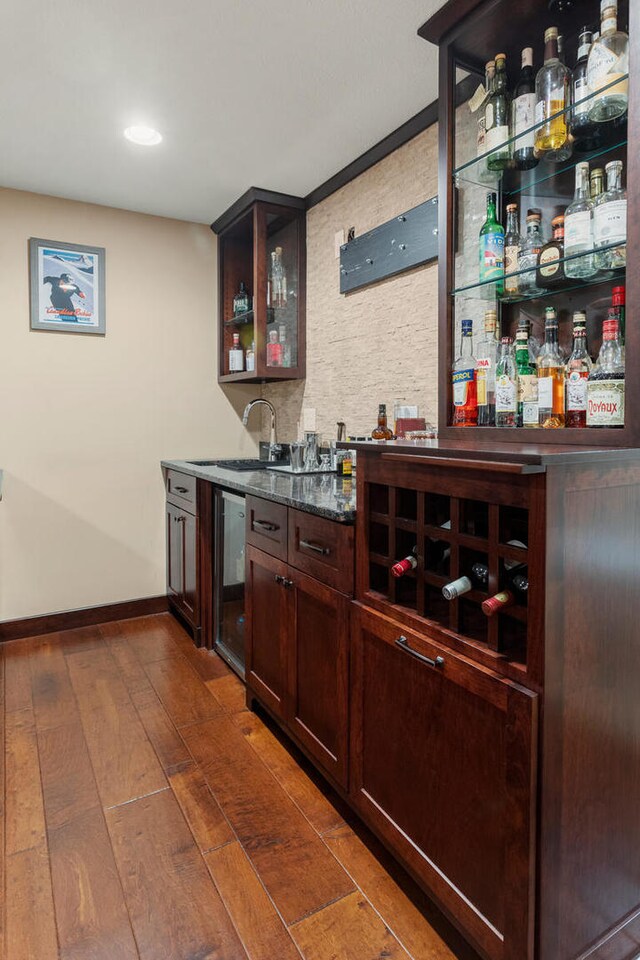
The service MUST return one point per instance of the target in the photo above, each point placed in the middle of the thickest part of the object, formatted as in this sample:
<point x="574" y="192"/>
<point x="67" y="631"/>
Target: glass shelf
<point x="475" y="171"/>
<point x="240" y="319"/>
<point x="486" y="289"/>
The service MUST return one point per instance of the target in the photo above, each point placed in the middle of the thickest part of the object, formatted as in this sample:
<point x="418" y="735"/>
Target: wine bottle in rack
<point x="410" y="562"/>
<point x="478" y="577"/>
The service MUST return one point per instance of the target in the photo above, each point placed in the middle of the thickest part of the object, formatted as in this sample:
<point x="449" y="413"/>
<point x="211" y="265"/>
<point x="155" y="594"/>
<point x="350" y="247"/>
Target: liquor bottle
<point x="277" y="285"/>
<point x="527" y="380"/>
<point x="282" y="278"/>
<point x="465" y="398"/>
<point x="487" y="355"/>
<point x="478" y="576"/>
<point x="274" y="350"/>
<point x="586" y="134"/>
<point x="479" y="102"/>
<point x="506" y="385"/>
<point x="403" y="566"/>
<point x="492" y="248"/>
<point x="532" y="244"/>
<point x="578" y="228"/>
<point x="577" y="373"/>
<point x="550" y="272"/>
<point x="523" y="114"/>
<point x="497" y="119"/>
<point x="553" y="94"/>
<point x="610" y="221"/>
<point x="596" y="183"/>
<point x="270" y="285"/>
<point x="561" y="48"/>
<point x="605" y="386"/>
<point x="382" y="431"/>
<point x="608" y="62"/>
<point x="618" y="302"/>
<point x="236" y="355"/>
<point x="250" y="357"/>
<point x="241" y="301"/>
<point x="512" y="245"/>
<point x="550" y="375"/>
<point x="286" y="346"/>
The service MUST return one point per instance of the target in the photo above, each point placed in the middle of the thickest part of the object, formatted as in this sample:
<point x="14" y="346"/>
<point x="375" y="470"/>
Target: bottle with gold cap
<point x="553" y="96"/>
<point x="497" y="116"/>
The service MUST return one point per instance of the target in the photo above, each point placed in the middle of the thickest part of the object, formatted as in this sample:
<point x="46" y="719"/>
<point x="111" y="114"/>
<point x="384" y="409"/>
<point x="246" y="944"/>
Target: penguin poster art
<point x="67" y="287"/>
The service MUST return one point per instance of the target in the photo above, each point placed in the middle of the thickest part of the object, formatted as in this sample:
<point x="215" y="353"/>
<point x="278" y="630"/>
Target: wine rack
<point x="450" y="534"/>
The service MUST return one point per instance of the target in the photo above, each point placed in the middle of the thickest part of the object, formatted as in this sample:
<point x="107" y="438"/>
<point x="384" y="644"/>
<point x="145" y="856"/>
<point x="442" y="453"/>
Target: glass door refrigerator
<point x="229" y="579"/>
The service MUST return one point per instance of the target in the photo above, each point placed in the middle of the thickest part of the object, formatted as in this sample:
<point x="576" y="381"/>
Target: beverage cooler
<point x="229" y="579"/>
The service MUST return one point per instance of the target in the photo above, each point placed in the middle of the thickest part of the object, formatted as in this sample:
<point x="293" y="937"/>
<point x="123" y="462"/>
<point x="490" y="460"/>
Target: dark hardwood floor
<point x="145" y="813"/>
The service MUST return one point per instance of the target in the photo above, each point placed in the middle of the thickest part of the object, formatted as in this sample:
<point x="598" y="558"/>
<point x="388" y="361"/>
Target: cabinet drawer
<point x="322" y="548"/>
<point x="267" y="526"/>
<point x="181" y="488"/>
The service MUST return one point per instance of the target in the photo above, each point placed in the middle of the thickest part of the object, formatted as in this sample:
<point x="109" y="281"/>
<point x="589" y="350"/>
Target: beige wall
<point x="378" y="344"/>
<point x="85" y="420"/>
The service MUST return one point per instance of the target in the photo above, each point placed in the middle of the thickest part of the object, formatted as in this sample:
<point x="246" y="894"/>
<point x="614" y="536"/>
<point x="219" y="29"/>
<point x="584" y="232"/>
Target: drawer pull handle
<point x="265" y="525"/>
<point x="278" y="578"/>
<point x="179" y="519"/>
<point x="283" y="580"/>
<point x="323" y="551"/>
<point x="403" y="643"/>
<point x="181" y="489"/>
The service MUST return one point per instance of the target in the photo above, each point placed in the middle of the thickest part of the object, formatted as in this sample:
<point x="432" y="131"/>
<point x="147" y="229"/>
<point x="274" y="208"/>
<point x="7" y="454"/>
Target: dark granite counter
<point x="324" y="494"/>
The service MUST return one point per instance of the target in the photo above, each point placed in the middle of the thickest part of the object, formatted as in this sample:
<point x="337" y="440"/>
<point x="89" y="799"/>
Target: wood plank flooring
<point x="145" y="814"/>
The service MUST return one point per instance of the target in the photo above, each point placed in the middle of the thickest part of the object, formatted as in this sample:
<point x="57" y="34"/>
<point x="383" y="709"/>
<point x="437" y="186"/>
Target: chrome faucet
<point x="273" y="445"/>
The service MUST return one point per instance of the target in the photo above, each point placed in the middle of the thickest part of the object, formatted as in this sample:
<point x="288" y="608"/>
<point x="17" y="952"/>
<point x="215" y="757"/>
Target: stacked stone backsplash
<point x="378" y="344"/>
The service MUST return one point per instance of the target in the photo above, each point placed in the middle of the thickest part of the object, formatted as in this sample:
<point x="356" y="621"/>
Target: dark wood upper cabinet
<point x="469" y="33"/>
<point x="262" y="244"/>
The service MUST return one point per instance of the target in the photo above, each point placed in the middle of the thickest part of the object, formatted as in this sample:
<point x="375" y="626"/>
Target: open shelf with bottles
<point x="547" y="187"/>
<point x="261" y="244"/>
<point x="450" y="537"/>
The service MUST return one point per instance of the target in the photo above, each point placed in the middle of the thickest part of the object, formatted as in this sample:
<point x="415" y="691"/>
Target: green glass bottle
<point x="527" y="379"/>
<point x="492" y="249"/>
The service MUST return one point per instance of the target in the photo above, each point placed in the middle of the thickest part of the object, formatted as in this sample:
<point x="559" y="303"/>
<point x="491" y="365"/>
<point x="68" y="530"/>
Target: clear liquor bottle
<point x="605" y="386"/>
<point x="610" y="221"/>
<point x="497" y="115"/>
<point x="578" y="228"/>
<point x="596" y="183"/>
<point x="491" y="250"/>
<point x="487" y="355"/>
<point x="506" y="385"/>
<point x="550" y="375"/>
<point x="481" y="105"/>
<point x="532" y="244"/>
<point x="577" y="373"/>
<point x="512" y="245"/>
<point x="236" y="355"/>
<point x="527" y="379"/>
<point x="523" y="111"/>
<point x="553" y="93"/>
<point x="608" y="62"/>
<point x="465" y="398"/>
<point x="286" y="346"/>
<point x="586" y="134"/>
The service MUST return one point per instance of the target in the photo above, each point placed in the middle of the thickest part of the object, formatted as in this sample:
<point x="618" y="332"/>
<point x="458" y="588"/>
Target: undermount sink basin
<point x="231" y="464"/>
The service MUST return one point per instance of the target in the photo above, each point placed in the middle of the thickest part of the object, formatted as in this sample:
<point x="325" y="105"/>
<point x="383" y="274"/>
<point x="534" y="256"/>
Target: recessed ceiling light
<point x="144" y="136"/>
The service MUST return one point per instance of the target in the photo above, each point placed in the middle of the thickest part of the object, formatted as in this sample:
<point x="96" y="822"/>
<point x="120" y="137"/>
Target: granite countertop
<point x="324" y="494"/>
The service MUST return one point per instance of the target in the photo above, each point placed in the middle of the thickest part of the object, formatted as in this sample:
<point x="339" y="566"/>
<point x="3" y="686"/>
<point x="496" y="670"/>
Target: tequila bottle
<point x="577" y="373"/>
<point x="487" y="355"/>
<point x="491" y="250"/>
<point x="578" y="228"/>
<point x="523" y="113"/>
<point x="506" y="385"/>
<point x="550" y="375"/>
<point x="497" y="119"/>
<point x="527" y="380"/>
<point x="553" y="94"/>
<point x="605" y="386"/>
<point x="465" y="400"/>
<point x="512" y="244"/>
<point x="608" y="63"/>
<point x="610" y="221"/>
<point x="532" y="244"/>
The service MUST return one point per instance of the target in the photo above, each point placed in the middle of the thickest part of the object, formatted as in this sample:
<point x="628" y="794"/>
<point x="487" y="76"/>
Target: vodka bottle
<point x="578" y="228"/>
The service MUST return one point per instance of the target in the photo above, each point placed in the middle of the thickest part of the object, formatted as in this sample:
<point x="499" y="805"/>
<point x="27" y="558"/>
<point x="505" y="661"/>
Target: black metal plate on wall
<point x="406" y="241"/>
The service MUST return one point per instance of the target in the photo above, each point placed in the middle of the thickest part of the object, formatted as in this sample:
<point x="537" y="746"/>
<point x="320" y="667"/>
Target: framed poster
<point x="67" y="287"/>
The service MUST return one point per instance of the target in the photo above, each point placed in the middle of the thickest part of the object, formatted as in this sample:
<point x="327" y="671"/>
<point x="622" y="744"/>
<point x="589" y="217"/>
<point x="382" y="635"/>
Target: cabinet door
<point x="317" y="709"/>
<point x="189" y="525"/>
<point x="268" y="611"/>
<point x="174" y="553"/>
<point x="443" y="767"/>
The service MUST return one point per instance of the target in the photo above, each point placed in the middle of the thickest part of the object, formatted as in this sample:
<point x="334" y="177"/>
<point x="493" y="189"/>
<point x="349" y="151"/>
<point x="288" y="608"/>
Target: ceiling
<point x="278" y="94"/>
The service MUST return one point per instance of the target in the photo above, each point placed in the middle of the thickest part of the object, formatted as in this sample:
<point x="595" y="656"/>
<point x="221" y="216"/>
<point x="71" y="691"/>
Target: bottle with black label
<point x="586" y="134"/>
<point x="550" y="272"/>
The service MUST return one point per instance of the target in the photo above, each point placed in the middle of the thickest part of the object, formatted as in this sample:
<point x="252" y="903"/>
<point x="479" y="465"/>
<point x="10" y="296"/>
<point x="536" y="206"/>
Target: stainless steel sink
<point x="231" y="464"/>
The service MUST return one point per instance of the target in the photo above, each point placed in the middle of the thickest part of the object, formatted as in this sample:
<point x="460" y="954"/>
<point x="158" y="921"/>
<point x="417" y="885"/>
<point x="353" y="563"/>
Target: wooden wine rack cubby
<point x="452" y="529"/>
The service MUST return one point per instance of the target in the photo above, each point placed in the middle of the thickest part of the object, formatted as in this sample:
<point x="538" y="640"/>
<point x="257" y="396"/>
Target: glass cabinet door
<point x="282" y="268"/>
